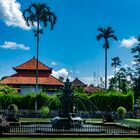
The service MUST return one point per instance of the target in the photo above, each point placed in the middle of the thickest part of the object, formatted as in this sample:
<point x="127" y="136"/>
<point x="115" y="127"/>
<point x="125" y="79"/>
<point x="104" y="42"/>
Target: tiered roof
<point x="91" y="89"/>
<point x="78" y="83"/>
<point x="29" y="78"/>
<point x="31" y="65"/>
<point x="20" y="80"/>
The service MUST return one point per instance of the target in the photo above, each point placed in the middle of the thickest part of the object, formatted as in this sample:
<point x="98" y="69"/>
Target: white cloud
<point x="134" y="62"/>
<point x="126" y="66"/>
<point x="91" y="80"/>
<point x="10" y="13"/>
<point x="53" y="63"/>
<point x="87" y="80"/>
<point x="13" y="46"/>
<point x="62" y="72"/>
<point x="129" y="42"/>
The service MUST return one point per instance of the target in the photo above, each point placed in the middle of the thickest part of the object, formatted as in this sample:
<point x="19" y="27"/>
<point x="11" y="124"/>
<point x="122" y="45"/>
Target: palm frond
<point x="102" y="30"/>
<point x="113" y="36"/>
<point x="39" y="13"/>
<point x="98" y="37"/>
<point x="139" y="38"/>
<point x="135" y="49"/>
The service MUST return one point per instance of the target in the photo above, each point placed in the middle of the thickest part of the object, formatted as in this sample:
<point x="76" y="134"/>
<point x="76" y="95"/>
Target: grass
<point x="17" y="138"/>
<point x="127" y="122"/>
<point x="34" y="119"/>
<point x="130" y="122"/>
<point x="97" y="120"/>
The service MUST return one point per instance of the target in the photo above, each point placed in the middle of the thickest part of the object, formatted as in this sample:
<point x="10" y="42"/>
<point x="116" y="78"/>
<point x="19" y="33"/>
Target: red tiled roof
<point x="16" y="79"/>
<point x="77" y="82"/>
<point x="31" y="65"/>
<point x="91" y="89"/>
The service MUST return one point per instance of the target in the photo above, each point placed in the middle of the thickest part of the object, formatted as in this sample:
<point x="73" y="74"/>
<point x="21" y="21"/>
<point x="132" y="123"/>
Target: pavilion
<point x="24" y="80"/>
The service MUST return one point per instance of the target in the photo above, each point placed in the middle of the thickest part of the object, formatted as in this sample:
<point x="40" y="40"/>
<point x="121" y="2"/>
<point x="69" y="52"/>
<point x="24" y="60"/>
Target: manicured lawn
<point x="49" y="119"/>
<point x="133" y="122"/>
<point x="130" y="122"/>
<point x="34" y="119"/>
<point x="70" y="138"/>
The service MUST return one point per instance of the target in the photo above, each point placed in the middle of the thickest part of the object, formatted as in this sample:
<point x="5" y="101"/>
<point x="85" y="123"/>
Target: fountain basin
<point x="67" y="123"/>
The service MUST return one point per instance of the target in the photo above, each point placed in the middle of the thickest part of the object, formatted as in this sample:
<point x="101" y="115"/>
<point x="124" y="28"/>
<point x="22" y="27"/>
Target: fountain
<point x="66" y="121"/>
<point x="67" y="118"/>
<point x="4" y="125"/>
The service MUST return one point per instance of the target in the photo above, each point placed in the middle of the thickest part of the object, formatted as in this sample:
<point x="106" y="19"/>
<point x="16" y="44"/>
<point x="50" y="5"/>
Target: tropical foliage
<point x="95" y="102"/>
<point x="39" y="15"/>
<point x="116" y="62"/>
<point x="136" y="79"/>
<point x="7" y="89"/>
<point x="128" y="78"/>
<point x="44" y="111"/>
<point x="106" y="34"/>
<point x="121" y="111"/>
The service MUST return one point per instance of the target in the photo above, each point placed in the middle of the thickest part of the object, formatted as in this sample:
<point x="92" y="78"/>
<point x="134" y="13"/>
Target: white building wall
<point x="29" y="89"/>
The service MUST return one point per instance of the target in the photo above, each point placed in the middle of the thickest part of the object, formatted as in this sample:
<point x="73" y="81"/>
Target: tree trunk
<point x="37" y="49"/>
<point x="105" y="68"/>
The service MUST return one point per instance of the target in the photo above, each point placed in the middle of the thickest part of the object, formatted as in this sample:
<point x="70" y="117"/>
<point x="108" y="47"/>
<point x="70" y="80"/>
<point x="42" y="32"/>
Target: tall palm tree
<point x="38" y="15"/>
<point x="115" y="62"/>
<point x="106" y="34"/>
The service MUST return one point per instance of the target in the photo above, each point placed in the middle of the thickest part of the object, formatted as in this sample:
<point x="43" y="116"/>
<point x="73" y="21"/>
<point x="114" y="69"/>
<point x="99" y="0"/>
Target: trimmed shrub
<point x="100" y="101"/>
<point x="121" y="111"/>
<point x="7" y="89"/>
<point x="12" y="113"/>
<point x="44" y="111"/>
<point x="13" y="107"/>
<point x="53" y="102"/>
<point x="94" y="102"/>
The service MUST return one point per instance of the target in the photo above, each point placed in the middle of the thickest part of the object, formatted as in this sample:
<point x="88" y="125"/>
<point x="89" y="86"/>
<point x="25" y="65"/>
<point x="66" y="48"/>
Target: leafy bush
<point x="82" y="102"/>
<point x="98" y="101"/>
<point x="28" y="101"/>
<point x="42" y="100"/>
<point x="7" y="89"/>
<point x="121" y="111"/>
<point x="53" y="102"/>
<point x="44" y="111"/>
<point x="13" y="108"/>
<point x="115" y="100"/>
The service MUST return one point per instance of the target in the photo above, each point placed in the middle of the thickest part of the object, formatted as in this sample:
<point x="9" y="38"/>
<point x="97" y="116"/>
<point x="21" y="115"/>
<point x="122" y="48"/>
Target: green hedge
<point x="28" y="101"/>
<point x="98" y="101"/>
<point x="114" y="100"/>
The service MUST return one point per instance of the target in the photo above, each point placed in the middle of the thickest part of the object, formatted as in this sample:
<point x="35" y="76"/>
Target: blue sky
<point x="71" y="48"/>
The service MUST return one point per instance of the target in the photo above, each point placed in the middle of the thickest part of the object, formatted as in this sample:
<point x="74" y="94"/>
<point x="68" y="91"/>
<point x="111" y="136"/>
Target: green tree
<point x="101" y="82"/>
<point x="39" y="15"/>
<point x="106" y="34"/>
<point x="136" y="56"/>
<point x="121" y="81"/>
<point x="113" y="83"/>
<point x="115" y="62"/>
<point x="7" y="89"/>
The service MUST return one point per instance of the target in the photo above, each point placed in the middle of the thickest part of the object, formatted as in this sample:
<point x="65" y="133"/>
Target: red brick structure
<point x="25" y="78"/>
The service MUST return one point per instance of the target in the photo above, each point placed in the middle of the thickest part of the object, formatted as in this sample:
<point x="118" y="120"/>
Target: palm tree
<point x="106" y="34"/>
<point x="38" y="15"/>
<point x="115" y="62"/>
